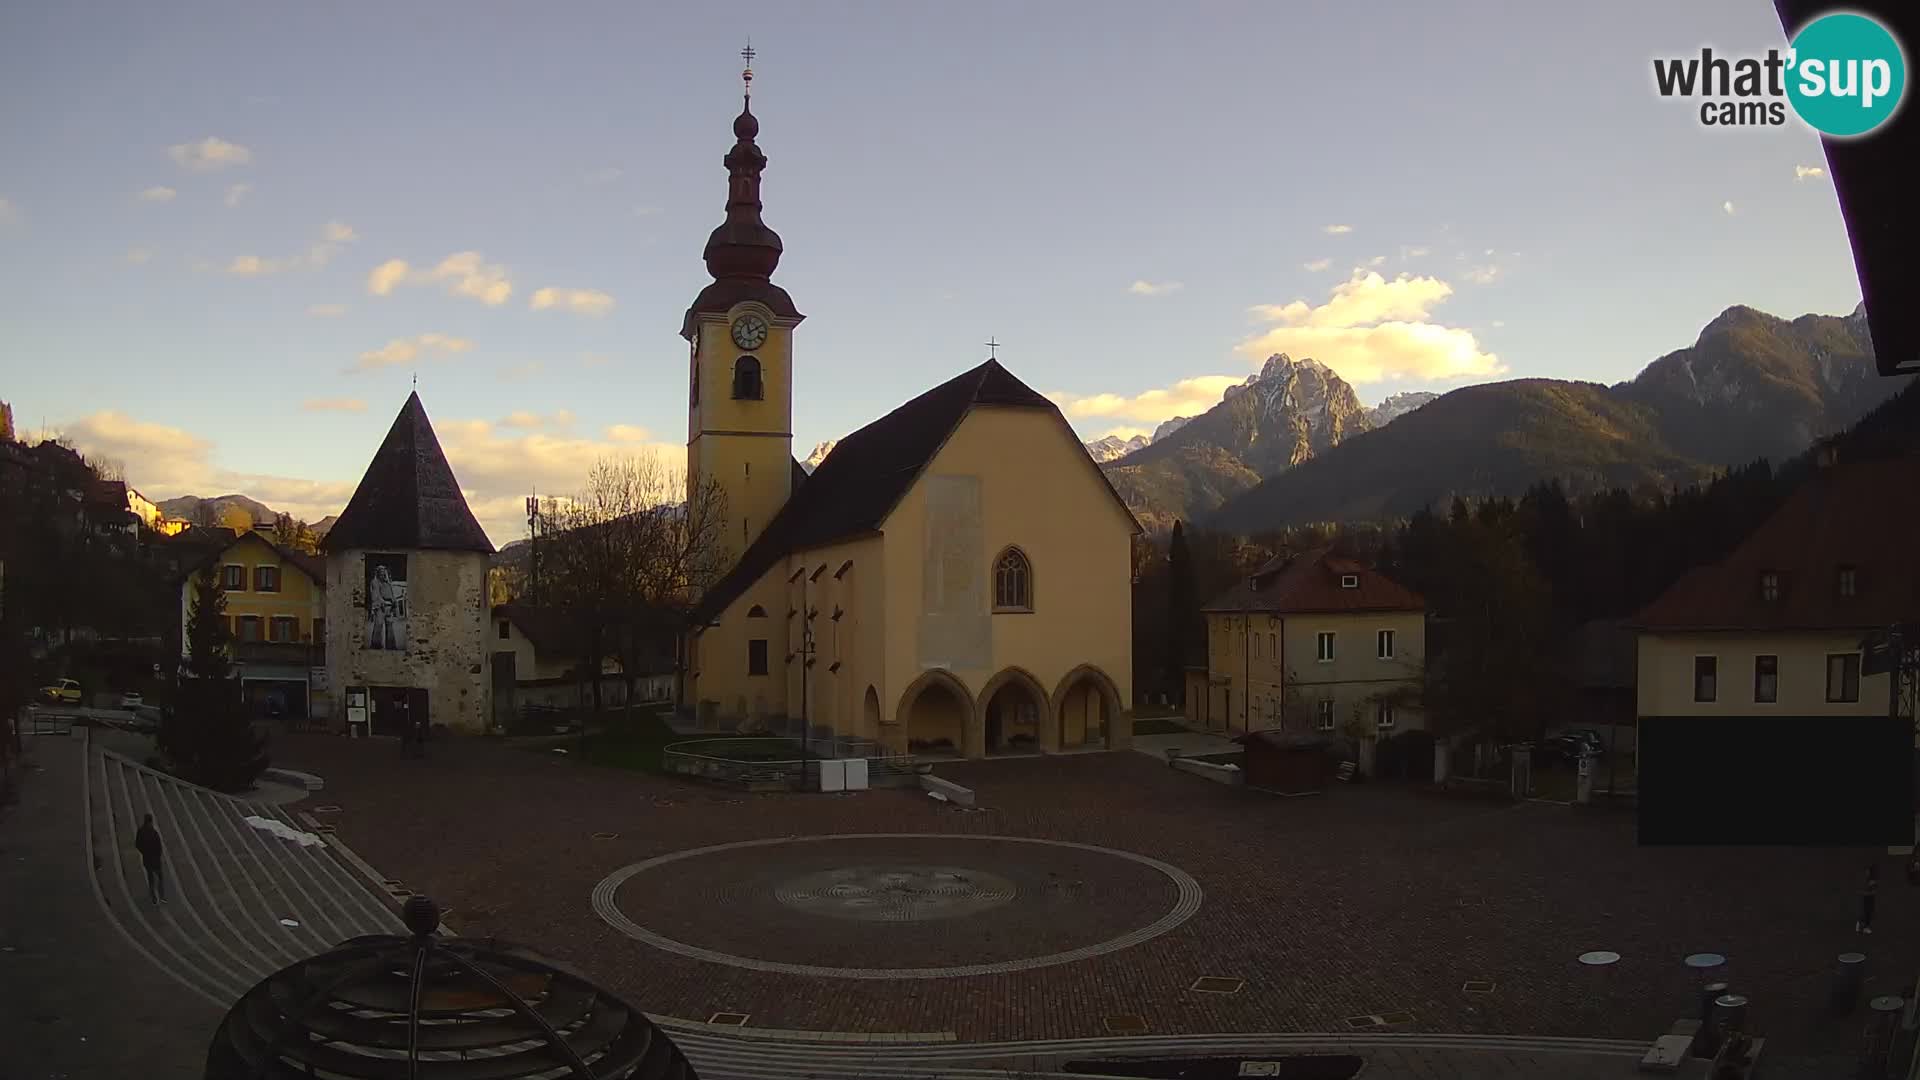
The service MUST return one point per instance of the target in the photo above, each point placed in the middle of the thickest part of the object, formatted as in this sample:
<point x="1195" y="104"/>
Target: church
<point x="953" y="579"/>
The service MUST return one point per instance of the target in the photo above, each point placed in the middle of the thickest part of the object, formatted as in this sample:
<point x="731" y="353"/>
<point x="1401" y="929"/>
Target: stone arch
<point x="925" y="719"/>
<point x="1086" y="701"/>
<point x="1005" y="731"/>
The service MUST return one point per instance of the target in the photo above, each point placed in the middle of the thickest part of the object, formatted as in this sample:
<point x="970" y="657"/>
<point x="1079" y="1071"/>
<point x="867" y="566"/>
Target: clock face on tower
<point x="749" y="331"/>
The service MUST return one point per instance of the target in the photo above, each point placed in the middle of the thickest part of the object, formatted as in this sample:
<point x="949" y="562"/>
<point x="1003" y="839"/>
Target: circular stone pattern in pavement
<point x="896" y="905"/>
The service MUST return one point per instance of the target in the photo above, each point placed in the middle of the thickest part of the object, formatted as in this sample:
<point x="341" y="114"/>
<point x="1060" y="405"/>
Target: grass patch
<point x="1157" y="725"/>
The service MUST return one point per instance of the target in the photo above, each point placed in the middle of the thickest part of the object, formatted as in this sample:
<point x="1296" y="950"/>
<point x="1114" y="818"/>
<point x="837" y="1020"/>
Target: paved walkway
<point x="1189" y="743"/>
<point x="92" y="974"/>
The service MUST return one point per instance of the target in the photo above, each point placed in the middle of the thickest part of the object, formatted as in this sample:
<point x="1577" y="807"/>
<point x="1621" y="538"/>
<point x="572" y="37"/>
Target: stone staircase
<point x="242" y="902"/>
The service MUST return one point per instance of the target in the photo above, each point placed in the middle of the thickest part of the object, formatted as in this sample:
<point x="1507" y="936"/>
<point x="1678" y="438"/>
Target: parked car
<point x="63" y="692"/>
<point x="1565" y="747"/>
<point x="131" y="700"/>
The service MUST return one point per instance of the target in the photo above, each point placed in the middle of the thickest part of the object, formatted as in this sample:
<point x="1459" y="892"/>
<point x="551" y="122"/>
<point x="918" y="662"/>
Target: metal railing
<point x="762" y="762"/>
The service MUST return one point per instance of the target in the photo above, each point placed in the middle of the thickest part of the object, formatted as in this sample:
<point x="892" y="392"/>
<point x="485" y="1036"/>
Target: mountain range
<point x="188" y="508"/>
<point x="1750" y="386"/>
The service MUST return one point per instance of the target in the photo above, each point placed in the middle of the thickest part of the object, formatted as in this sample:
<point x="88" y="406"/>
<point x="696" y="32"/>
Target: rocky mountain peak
<point x="812" y="461"/>
<point x="1168" y="427"/>
<point x="1113" y="447"/>
<point x="1398" y="405"/>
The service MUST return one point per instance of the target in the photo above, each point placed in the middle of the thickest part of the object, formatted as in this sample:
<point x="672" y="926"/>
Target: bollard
<point x="1706" y="1041"/>
<point x="1730" y="1014"/>
<point x="1848" y="977"/>
<point x="1883" y="1024"/>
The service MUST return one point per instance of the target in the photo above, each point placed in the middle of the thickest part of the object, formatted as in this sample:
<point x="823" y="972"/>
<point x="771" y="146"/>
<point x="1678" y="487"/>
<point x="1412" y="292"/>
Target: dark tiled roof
<point x="1311" y="583"/>
<point x="853" y="490"/>
<point x="1861" y="515"/>
<point x="408" y="498"/>
<point x="558" y="635"/>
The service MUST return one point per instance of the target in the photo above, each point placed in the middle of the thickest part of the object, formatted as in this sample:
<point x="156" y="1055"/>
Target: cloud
<point x="523" y="371"/>
<point x="1413" y="252"/>
<point x="1483" y="275"/>
<point x="1497" y="323"/>
<point x="604" y="176"/>
<point x="403" y="350"/>
<point x="596" y="359"/>
<point x="1316" y="265"/>
<point x="1336" y="230"/>
<point x="1727" y="206"/>
<point x="1372" y="329"/>
<point x="327" y="311"/>
<point x="1184" y="398"/>
<point x="334" y="237"/>
<point x="209" y="154"/>
<point x="157" y="193"/>
<point x="464" y="273"/>
<point x="136" y="256"/>
<point x="1143" y="287"/>
<point x="1801" y="172"/>
<point x="1377" y="260"/>
<point x="627" y="433"/>
<point x="520" y="418"/>
<point x="333" y="405"/>
<point x="8" y="212"/>
<point x="578" y="301"/>
<point x="236" y="193"/>
<point x="1124" y="433"/>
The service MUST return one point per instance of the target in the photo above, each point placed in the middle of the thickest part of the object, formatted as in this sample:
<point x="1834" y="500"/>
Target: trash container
<point x="1730" y="1014"/>
<point x="1849" y="975"/>
<point x="1883" y="1025"/>
<point x="1706" y="1041"/>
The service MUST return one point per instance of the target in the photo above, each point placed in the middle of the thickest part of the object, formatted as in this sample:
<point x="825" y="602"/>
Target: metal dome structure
<point x="429" y="1008"/>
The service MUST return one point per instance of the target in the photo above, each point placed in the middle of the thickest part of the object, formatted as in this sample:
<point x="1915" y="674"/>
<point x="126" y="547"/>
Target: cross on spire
<point x="993" y="349"/>
<point x="746" y="75"/>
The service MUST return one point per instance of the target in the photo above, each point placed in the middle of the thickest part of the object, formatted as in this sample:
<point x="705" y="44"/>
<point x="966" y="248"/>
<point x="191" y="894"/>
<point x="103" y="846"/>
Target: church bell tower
<point x="740" y="335"/>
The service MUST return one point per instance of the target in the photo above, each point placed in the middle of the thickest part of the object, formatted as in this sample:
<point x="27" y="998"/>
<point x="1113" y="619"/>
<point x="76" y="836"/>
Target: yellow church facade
<point x="953" y="579"/>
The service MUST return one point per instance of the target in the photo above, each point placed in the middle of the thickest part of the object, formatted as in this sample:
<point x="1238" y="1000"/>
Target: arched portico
<point x="1087" y="711"/>
<point x="1013" y="708"/>
<point x="934" y="714"/>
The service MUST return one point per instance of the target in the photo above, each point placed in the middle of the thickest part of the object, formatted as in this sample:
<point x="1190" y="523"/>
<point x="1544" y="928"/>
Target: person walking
<point x="147" y="843"/>
<point x="1867" y="891"/>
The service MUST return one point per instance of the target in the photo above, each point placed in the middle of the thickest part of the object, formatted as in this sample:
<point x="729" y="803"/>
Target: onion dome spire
<point x="743" y="246"/>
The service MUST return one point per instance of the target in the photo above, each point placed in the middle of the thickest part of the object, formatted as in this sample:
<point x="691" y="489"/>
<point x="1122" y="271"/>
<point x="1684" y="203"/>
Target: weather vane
<point x="746" y="76"/>
<point x="993" y="349"/>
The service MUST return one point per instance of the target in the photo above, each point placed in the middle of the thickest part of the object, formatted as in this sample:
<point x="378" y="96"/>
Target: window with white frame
<point x="1383" y="716"/>
<point x="236" y="578"/>
<point x="1383" y="644"/>
<point x="1323" y="714"/>
<point x="1323" y="646"/>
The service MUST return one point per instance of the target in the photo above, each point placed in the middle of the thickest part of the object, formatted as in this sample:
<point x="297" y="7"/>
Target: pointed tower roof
<point x="408" y="498"/>
<point x="742" y="252"/>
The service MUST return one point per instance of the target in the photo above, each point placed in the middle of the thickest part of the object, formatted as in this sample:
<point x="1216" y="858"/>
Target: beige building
<point x="1776" y="628"/>
<point x="954" y="578"/>
<point x="406" y="592"/>
<point x="1312" y="643"/>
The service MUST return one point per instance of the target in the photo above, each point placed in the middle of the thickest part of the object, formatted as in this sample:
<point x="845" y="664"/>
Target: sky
<point x="231" y="235"/>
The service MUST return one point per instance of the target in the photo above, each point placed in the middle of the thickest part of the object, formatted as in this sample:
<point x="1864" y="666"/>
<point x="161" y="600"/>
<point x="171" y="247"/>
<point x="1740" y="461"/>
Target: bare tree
<point x="628" y="556"/>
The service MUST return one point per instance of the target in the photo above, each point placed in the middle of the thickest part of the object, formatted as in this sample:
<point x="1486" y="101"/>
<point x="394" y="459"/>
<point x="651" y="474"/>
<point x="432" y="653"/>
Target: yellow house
<point x="954" y="578"/>
<point x="1776" y="628"/>
<point x="1312" y="643"/>
<point x="276" y="612"/>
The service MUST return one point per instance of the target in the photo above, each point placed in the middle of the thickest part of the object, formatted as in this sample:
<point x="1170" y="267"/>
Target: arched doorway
<point x="933" y="713"/>
<point x="1087" y="709"/>
<point x="1012" y="707"/>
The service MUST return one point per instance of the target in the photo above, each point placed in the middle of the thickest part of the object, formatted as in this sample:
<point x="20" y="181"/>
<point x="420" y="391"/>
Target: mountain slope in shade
<point x="1287" y="413"/>
<point x="1752" y="386"/>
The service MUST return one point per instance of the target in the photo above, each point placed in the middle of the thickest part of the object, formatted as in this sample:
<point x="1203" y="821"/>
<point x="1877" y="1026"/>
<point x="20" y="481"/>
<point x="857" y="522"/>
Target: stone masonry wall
<point x="445" y="651"/>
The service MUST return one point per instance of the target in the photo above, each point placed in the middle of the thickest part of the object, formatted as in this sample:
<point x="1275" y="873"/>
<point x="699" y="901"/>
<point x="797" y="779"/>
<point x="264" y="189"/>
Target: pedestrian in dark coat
<point x="1867" y="891"/>
<point x="147" y="843"/>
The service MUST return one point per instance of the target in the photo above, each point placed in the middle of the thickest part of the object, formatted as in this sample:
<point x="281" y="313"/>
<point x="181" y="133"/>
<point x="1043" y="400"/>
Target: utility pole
<point x="533" y="548"/>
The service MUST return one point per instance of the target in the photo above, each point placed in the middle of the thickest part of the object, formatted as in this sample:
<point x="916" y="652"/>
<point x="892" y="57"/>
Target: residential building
<point x="276" y="612"/>
<point x="1312" y="642"/>
<point x="536" y="660"/>
<point x="955" y="578"/>
<point x="407" y="612"/>
<point x="1777" y="626"/>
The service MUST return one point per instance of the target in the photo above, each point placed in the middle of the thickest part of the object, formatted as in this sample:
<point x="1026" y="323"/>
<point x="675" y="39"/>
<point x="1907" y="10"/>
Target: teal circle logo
<point x="1846" y="74"/>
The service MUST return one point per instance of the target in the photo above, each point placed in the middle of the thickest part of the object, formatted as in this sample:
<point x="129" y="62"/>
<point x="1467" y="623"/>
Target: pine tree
<point x="1182" y="613"/>
<point x="206" y="737"/>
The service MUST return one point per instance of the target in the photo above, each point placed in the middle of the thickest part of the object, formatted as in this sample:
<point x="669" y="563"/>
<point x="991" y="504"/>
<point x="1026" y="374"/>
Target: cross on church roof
<point x="993" y="348"/>
<point x="746" y="76"/>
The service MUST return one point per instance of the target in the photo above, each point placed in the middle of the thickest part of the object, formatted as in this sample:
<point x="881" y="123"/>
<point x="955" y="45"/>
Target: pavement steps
<point x="229" y="884"/>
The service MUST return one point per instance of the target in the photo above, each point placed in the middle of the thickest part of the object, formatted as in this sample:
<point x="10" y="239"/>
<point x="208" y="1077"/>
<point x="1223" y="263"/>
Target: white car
<point x="131" y="700"/>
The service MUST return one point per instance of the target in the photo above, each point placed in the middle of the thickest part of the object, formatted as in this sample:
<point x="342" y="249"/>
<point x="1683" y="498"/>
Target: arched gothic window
<point x="746" y="379"/>
<point x="1012" y="581"/>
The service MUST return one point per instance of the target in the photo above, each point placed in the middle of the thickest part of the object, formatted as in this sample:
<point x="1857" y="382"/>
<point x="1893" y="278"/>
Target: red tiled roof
<point x="1311" y="583"/>
<point x="1864" y="516"/>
